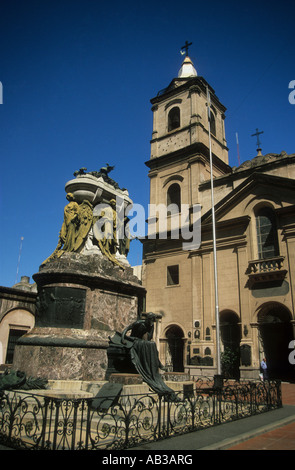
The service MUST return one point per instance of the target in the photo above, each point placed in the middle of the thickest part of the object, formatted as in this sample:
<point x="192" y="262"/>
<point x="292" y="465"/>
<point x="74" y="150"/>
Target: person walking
<point x="263" y="366"/>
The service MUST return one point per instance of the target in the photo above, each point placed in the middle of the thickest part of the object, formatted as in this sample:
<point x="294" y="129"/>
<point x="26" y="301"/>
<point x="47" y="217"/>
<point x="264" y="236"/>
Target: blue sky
<point x="78" y="76"/>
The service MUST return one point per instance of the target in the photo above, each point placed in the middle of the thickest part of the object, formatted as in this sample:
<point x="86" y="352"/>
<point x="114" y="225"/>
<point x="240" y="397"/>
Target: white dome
<point x="187" y="69"/>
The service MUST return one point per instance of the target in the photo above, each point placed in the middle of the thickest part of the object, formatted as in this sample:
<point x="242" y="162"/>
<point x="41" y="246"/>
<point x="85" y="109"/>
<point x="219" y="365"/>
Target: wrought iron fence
<point x="36" y="421"/>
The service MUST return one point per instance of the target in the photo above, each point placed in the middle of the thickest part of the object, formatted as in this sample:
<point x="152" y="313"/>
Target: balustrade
<point x="266" y="269"/>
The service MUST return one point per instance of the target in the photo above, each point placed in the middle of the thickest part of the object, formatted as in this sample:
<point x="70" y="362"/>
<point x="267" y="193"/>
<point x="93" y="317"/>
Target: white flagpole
<point x="19" y="255"/>
<point x="218" y="361"/>
<point x="238" y="148"/>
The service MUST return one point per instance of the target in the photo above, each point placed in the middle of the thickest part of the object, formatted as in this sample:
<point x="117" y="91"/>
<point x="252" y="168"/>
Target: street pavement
<point x="281" y="437"/>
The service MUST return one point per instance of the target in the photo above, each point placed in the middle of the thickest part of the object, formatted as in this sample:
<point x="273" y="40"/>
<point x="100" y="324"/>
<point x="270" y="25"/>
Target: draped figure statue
<point x="144" y="354"/>
<point x="76" y="225"/>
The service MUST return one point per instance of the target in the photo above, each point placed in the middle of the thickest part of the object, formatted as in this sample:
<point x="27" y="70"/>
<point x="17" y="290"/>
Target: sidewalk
<point x="281" y="438"/>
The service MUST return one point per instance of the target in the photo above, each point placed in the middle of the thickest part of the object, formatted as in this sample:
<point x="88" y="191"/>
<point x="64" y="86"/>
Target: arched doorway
<point x="230" y="332"/>
<point x="276" y="332"/>
<point x="174" y="336"/>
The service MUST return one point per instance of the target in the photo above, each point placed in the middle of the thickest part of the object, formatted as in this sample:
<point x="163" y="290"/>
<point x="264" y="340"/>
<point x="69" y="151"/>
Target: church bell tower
<point x="178" y="164"/>
<point x="180" y="137"/>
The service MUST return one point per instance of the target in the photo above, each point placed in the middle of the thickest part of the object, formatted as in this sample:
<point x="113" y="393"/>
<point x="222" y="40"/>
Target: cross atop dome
<point x="187" y="69"/>
<point x="185" y="47"/>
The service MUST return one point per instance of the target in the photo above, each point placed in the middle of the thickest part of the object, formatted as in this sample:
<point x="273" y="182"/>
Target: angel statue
<point x="105" y="231"/>
<point x="77" y="223"/>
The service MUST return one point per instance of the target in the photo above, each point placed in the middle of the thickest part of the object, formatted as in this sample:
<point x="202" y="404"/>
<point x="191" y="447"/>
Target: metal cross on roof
<point x="185" y="47"/>
<point x="257" y="133"/>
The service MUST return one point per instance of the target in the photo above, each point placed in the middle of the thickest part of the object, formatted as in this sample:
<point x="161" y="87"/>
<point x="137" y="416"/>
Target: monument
<point x="86" y="288"/>
<point x="137" y="350"/>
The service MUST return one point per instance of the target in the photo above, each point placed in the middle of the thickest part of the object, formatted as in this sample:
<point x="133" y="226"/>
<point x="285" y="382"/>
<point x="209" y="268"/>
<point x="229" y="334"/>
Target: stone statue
<point x="109" y="240"/>
<point x="82" y="171"/>
<point x="144" y="353"/>
<point x="124" y="242"/>
<point x="67" y="237"/>
<point x="105" y="232"/>
<point x="83" y="230"/>
<point x="85" y="216"/>
<point x="77" y="223"/>
<point x="104" y="174"/>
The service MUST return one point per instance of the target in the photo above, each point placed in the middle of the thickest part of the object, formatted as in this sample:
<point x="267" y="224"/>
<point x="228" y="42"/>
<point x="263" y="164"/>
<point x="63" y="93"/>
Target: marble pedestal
<point x="82" y="300"/>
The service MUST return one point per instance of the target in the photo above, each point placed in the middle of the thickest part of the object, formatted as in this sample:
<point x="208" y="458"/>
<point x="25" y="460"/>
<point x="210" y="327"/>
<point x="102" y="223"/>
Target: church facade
<point x="254" y="207"/>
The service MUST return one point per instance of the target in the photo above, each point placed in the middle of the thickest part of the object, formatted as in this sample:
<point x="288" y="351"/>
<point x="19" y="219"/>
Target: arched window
<point x="174" y="195"/>
<point x="267" y="237"/>
<point x="173" y="118"/>
<point x="212" y="123"/>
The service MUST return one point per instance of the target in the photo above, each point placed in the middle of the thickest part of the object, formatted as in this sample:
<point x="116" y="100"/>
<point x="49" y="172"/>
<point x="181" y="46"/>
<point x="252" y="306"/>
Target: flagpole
<point x="218" y="361"/>
<point x="238" y="148"/>
<point x="19" y="255"/>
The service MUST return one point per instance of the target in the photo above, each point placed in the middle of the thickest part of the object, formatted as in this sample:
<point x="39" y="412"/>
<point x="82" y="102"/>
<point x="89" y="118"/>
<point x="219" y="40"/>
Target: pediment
<point x="258" y="186"/>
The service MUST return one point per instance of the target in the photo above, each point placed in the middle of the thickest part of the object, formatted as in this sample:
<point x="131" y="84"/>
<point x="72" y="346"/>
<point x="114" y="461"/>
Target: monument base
<point x="82" y="300"/>
<point x="126" y="379"/>
<point x="56" y="356"/>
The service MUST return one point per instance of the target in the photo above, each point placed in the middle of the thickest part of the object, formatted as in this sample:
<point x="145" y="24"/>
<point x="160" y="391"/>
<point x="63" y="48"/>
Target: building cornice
<point x="236" y="174"/>
<point x="12" y="293"/>
<point x="192" y="151"/>
<point x="246" y="185"/>
<point x="178" y="85"/>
